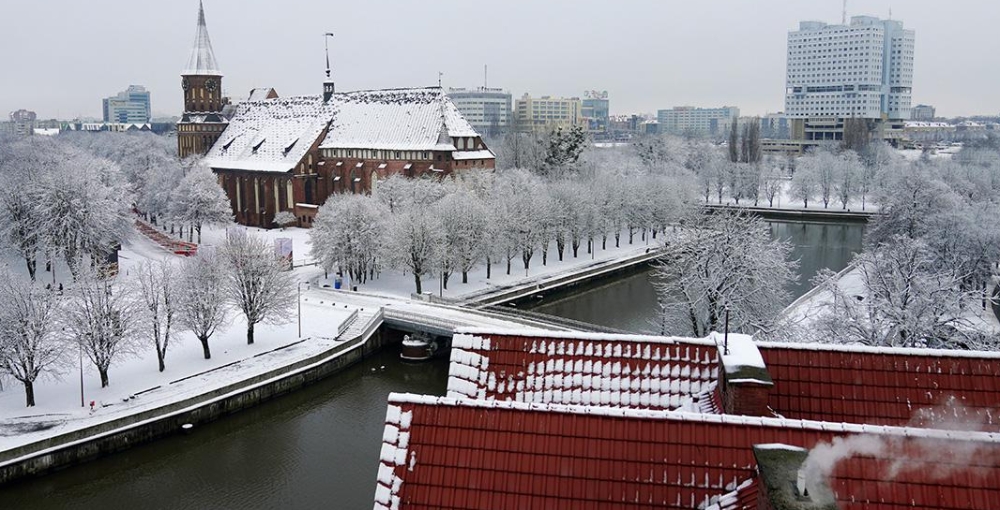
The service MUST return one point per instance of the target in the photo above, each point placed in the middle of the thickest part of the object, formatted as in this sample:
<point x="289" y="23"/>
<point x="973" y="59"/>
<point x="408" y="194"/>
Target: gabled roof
<point x="919" y="387"/>
<point x="261" y="130"/>
<point x="271" y="135"/>
<point x="473" y="454"/>
<point x="202" y="59"/>
<point x="262" y="93"/>
<point x="638" y="372"/>
<point x="394" y="119"/>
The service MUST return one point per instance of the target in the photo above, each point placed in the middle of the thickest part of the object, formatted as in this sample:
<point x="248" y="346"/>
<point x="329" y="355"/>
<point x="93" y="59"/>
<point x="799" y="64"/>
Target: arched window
<point x="374" y="183"/>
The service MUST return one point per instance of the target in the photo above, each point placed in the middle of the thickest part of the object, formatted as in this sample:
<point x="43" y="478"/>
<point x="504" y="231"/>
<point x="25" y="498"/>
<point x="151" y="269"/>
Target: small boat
<point x="418" y="347"/>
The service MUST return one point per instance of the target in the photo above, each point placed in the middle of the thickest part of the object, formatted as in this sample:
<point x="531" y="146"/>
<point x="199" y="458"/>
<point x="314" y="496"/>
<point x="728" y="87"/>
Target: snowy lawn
<point x="187" y="373"/>
<point x="398" y="284"/>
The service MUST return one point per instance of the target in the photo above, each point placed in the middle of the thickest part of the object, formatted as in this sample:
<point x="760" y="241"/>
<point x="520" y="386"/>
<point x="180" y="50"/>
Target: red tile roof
<point x="928" y="388"/>
<point x="445" y="453"/>
<point x="637" y="372"/>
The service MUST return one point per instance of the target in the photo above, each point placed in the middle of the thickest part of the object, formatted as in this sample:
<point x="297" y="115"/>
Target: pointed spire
<point x="202" y="60"/>
<point x="328" y="85"/>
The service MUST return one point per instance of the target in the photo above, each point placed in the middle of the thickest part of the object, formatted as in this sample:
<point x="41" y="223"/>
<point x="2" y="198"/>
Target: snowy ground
<point x="136" y="384"/>
<point x="805" y="309"/>
<point x="783" y="200"/>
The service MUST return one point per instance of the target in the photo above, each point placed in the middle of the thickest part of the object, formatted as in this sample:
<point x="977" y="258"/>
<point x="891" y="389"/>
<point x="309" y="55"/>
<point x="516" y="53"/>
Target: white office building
<point x="684" y="120"/>
<point x="487" y="110"/>
<point x="862" y="70"/>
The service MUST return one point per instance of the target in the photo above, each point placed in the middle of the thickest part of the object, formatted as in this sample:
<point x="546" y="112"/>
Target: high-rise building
<point x="862" y="70"/>
<point x="487" y="109"/>
<point x="688" y="120"/>
<point x="546" y="113"/>
<point x="596" y="110"/>
<point x="130" y="106"/>
<point x="924" y="112"/>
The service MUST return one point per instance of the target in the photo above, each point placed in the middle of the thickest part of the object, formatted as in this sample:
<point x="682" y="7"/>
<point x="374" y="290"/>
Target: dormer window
<point x="258" y="144"/>
<point x="289" y="147"/>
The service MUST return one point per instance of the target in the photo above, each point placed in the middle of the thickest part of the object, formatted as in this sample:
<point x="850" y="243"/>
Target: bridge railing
<point x="571" y="324"/>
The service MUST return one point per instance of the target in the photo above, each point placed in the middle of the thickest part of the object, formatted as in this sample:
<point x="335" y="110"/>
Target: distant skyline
<point x="63" y="56"/>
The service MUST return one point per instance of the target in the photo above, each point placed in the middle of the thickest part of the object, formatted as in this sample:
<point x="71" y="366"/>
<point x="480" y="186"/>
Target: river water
<point x="629" y="303"/>
<point x="314" y="448"/>
<point x="319" y="447"/>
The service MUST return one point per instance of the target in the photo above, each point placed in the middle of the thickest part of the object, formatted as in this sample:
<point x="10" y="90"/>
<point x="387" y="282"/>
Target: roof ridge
<point x="869" y="349"/>
<point x="846" y="428"/>
<point x="574" y="335"/>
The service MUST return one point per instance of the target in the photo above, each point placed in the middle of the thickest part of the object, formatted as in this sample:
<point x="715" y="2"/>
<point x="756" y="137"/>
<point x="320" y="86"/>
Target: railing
<point x="175" y="246"/>
<point x="571" y="324"/>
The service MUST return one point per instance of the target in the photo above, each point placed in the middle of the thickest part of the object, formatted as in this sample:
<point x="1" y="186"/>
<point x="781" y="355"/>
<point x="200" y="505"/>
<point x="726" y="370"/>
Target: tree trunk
<point x="545" y="257"/>
<point x="104" y="376"/>
<point x="508" y="266"/>
<point x="199" y="234"/>
<point x="489" y="268"/>
<point x="32" y="266"/>
<point x="416" y="281"/>
<point x="159" y="357"/>
<point x="618" y="239"/>
<point x="204" y="347"/>
<point x="465" y="277"/>
<point x="444" y="278"/>
<point x="250" y="334"/>
<point x="29" y="393"/>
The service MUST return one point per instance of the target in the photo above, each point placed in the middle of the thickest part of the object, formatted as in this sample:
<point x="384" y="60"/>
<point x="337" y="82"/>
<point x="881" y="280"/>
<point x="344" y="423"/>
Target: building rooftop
<point x="522" y="426"/>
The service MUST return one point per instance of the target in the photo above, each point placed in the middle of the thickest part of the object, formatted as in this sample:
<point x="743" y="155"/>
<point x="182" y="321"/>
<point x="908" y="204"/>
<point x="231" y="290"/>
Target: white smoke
<point x="935" y="458"/>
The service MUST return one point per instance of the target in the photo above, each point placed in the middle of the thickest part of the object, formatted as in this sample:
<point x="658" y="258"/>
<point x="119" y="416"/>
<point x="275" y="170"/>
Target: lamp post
<point x="81" y="373"/>
<point x="725" y="340"/>
<point x="298" y="289"/>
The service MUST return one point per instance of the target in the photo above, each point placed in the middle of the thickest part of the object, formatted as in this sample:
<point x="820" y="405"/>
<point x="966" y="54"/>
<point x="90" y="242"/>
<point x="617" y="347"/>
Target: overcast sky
<point x="60" y="57"/>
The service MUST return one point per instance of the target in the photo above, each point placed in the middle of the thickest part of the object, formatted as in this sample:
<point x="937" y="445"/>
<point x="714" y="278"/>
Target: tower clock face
<point x="210" y="85"/>
<point x="184" y="83"/>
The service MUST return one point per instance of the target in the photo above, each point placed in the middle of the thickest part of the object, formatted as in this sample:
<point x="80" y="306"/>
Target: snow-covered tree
<point x="85" y="209"/>
<point x="284" y="218"/>
<point x="725" y="258"/>
<point x="348" y="234"/>
<point x="773" y="181"/>
<point x="906" y="300"/>
<point x="256" y="281"/>
<point x="30" y="343"/>
<point x="20" y="211"/>
<point x="205" y="305"/>
<point x="102" y="318"/>
<point x="463" y="218"/>
<point x="199" y="200"/>
<point x="414" y="243"/>
<point x="805" y="184"/>
<point x="160" y="298"/>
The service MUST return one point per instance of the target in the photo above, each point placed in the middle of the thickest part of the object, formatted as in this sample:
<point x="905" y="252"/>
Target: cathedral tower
<point x="202" y="122"/>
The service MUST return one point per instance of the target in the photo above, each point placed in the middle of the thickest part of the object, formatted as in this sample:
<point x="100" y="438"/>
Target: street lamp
<point x="726" y="337"/>
<point x="298" y="289"/>
<point x="81" y="372"/>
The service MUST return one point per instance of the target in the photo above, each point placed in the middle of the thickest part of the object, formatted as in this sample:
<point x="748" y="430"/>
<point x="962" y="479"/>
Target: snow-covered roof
<point x="260" y="133"/>
<point x="271" y="135"/>
<point x="481" y="154"/>
<point x="202" y="60"/>
<point x="394" y="119"/>
<point x="262" y="93"/>
<point x="609" y="372"/>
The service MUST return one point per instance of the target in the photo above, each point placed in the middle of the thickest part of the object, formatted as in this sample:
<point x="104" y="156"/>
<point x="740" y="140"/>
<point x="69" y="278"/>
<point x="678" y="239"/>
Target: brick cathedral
<point x="275" y="154"/>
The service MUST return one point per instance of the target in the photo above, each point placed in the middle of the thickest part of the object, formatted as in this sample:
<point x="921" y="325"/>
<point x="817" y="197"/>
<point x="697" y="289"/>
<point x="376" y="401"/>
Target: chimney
<point x="744" y="382"/>
<point x="782" y="483"/>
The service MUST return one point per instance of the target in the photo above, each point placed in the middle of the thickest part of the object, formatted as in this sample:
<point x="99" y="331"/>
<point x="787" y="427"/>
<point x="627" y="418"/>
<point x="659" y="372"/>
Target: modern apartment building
<point x="689" y="120"/>
<point x="130" y="106"/>
<point x="596" y="110"/>
<point x="546" y="113"/>
<point x="488" y="110"/>
<point x="924" y="112"/>
<point x="862" y="70"/>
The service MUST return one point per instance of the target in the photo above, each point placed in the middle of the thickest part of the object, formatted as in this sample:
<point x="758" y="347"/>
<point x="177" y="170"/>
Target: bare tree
<point x="414" y="243"/>
<point x="725" y="259"/>
<point x="30" y="345"/>
<point x="160" y="298"/>
<point x="256" y="281"/>
<point x="906" y="300"/>
<point x="204" y="307"/>
<point x="102" y="318"/>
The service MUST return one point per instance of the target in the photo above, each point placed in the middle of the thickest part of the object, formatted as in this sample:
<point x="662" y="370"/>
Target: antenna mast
<point x="486" y="77"/>
<point x="843" y="19"/>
